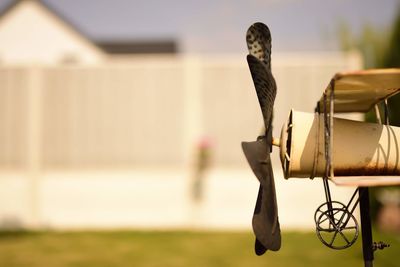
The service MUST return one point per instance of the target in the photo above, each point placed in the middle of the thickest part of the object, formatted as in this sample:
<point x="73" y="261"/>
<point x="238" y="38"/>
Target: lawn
<point x="178" y="248"/>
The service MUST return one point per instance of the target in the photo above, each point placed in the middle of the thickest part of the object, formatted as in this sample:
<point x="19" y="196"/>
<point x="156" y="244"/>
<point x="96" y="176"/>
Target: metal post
<point x="366" y="230"/>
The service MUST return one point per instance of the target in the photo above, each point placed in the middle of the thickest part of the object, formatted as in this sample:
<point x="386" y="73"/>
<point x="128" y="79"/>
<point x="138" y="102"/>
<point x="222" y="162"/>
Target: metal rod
<point x="366" y="229"/>
<point x="351" y="200"/>
<point x="327" y="157"/>
<point x="386" y="112"/>
<point x="328" y="198"/>
<point x="378" y="114"/>
<point x="326" y="136"/>
<point x="327" y="193"/>
<point x="331" y="111"/>
<point x="352" y="209"/>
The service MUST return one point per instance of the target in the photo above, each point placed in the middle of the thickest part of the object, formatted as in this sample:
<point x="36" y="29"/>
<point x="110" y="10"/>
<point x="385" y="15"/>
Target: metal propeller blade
<point x="265" y="86"/>
<point x="265" y="219"/>
<point x="258" y="38"/>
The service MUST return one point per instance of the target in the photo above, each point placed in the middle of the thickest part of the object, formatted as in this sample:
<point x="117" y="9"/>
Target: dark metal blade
<point x="259" y="248"/>
<point x="265" y="219"/>
<point x="257" y="155"/>
<point x="265" y="87"/>
<point x="258" y="38"/>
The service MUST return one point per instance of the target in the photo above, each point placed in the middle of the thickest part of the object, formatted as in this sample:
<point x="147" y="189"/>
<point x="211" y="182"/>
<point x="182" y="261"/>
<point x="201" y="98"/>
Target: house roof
<point x="51" y="10"/>
<point x="155" y="46"/>
<point x="139" y="47"/>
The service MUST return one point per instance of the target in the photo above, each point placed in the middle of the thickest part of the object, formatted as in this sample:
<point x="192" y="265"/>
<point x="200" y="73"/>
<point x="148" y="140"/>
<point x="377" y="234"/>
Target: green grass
<point x="178" y="248"/>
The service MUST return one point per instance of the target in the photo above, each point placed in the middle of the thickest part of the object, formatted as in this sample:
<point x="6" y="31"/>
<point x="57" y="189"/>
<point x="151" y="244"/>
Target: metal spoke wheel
<point x="337" y="228"/>
<point x="324" y="207"/>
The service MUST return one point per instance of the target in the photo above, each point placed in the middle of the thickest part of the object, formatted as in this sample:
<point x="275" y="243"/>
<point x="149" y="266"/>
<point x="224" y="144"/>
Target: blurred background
<point x="127" y="116"/>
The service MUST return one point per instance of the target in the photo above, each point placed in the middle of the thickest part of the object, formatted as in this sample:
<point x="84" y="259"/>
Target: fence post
<point x="34" y="143"/>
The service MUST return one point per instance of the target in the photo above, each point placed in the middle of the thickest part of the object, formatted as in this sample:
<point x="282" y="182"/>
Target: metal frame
<point x="368" y="246"/>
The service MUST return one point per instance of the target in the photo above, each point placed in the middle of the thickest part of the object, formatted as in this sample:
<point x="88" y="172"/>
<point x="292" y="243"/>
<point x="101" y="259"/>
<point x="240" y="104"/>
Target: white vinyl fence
<point x="113" y="145"/>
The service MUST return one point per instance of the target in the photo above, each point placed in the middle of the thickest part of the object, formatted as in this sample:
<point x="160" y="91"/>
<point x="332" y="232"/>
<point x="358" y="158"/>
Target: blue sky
<point x="217" y="26"/>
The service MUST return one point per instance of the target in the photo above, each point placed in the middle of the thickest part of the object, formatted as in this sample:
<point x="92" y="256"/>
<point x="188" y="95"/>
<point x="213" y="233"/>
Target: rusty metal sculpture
<point x="352" y="153"/>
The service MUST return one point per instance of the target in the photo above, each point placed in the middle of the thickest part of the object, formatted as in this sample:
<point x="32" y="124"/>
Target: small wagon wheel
<point x="324" y="207"/>
<point x="337" y="228"/>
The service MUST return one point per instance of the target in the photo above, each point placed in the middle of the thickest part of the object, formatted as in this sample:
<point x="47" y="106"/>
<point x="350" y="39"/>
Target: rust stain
<point x="367" y="171"/>
<point x="367" y="160"/>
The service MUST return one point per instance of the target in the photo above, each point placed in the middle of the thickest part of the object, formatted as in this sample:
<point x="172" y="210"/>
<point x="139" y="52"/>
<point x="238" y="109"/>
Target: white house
<point x="32" y="33"/>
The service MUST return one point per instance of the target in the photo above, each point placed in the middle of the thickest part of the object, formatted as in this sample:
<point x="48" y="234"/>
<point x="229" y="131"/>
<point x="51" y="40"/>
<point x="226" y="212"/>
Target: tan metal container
<point x="359" y="148"/>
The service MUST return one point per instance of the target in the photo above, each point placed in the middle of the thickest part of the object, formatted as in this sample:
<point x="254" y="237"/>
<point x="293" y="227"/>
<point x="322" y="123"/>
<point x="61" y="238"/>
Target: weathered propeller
<point x="265" y="219"/>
